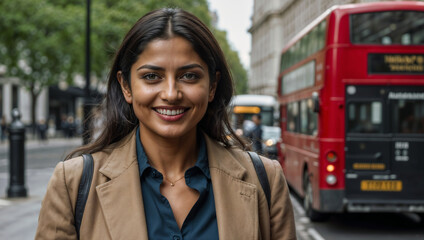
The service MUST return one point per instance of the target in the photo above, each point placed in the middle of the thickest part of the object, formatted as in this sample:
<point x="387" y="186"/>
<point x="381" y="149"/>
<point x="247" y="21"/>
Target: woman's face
<point x="170" y="88"/>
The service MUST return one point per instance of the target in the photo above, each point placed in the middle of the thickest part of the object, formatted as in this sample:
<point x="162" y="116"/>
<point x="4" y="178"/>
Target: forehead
<point x="172" y="51"/>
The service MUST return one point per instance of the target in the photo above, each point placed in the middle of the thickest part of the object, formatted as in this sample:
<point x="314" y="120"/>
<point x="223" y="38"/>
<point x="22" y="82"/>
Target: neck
<point x="170" y="156"/>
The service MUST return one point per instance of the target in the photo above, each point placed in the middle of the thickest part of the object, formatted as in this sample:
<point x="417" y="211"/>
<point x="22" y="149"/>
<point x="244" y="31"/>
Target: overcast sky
<point x="234" y="17"/>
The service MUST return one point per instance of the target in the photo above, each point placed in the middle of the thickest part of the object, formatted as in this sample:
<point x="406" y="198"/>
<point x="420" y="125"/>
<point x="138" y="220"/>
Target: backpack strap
<point x="262" y="176"/>
<point x="83" y="190"/>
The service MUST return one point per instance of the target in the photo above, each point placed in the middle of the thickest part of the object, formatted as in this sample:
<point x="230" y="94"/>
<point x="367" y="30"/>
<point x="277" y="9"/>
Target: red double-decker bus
<point x="351" y="93"/>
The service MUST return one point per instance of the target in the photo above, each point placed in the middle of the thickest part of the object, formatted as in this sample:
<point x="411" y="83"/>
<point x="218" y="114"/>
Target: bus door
<point x="383" y="156"/>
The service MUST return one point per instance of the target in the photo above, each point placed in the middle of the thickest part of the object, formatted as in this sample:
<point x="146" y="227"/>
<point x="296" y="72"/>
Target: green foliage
<point x="237" y="70"/>
<point x="36" y="41"/>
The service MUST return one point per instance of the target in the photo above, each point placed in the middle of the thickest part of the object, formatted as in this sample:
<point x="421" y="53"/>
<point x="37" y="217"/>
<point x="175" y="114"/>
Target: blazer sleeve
<point x="56" y="219"/>
<point x="281" y="212"/>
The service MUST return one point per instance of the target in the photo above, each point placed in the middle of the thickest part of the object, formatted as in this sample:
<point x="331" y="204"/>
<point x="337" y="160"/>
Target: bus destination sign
<point x="384" y="63"/>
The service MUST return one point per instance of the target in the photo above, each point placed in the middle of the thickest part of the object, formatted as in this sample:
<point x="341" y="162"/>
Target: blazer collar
<point x="236" y="201"/>
<point x="120" y="198"/>
<point x="123" y="154"/>
<point x="221" y="158"/>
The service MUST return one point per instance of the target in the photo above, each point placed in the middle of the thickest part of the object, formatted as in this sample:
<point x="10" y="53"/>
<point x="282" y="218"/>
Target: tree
<point x="237" y="70"/>
<point x="42" y="41"/>
<point x="37" y="43"/>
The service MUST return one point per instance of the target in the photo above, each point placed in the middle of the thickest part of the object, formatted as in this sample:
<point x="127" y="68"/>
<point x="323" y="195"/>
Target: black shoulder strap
<point x="263" y="178"/>
<point x="83" y="190"/>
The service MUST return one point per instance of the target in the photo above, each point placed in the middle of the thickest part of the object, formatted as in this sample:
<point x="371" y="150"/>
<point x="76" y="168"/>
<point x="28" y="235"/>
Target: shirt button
<point x="176" y="237"/>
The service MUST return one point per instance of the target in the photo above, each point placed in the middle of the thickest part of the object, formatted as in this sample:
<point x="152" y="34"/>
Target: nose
<point x="171" y="92"/>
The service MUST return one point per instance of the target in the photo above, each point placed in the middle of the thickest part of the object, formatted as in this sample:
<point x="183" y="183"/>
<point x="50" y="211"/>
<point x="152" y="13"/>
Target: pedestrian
<point x="255" y="134"/>
<point x="64" y="125"/>
<point x="71" y="127"/>
<point x="166" y="165"/>
<point x="42" y="130"/>
<point x="3" y="125"/>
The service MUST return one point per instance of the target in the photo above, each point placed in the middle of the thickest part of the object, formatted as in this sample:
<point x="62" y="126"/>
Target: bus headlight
<point x="331" y="179"/>
<point x="269" y="142"/>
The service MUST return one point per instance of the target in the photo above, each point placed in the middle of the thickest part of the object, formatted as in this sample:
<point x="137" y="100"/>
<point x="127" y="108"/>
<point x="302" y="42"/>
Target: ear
<point x="214" y="85"/>
<point x="126" y="91"/>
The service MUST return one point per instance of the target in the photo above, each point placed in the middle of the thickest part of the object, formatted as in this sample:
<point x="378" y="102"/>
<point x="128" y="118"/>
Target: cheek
<point x="201" y="96"/>
<point x="142" y="95"/>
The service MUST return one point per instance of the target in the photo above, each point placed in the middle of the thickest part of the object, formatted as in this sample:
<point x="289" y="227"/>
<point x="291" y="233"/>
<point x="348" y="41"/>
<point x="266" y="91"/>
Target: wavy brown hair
<point x="165" y="23"/>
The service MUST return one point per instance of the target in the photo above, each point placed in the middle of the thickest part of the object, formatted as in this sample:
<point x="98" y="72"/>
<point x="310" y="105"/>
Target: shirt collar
<point x="202" y="158"/>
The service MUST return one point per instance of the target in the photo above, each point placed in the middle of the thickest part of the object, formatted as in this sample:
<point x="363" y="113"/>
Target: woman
<point x="164" y="167"/>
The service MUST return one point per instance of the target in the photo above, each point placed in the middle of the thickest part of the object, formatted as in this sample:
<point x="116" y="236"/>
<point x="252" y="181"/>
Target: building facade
<point x="14" y="95"/>
<point x="55" y="104"/>
<point x="274" y="23"/>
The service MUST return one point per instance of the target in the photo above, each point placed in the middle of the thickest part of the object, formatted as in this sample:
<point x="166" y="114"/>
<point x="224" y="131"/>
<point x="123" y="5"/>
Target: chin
<point x="174" y="133"/>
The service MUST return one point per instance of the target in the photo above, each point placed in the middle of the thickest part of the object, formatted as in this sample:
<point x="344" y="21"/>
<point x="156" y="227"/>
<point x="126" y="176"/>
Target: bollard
<point x="16" y="157"/>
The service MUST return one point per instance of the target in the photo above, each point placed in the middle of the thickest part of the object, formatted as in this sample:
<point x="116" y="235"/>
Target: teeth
<point x="170" y="112"/>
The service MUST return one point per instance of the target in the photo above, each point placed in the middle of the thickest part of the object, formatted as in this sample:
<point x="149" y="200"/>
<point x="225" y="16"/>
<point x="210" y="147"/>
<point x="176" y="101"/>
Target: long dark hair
<point x="165" y="23"/>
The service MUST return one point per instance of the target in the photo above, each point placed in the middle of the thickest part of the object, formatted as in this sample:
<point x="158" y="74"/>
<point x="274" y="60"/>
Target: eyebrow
<point x="157" y="68"/>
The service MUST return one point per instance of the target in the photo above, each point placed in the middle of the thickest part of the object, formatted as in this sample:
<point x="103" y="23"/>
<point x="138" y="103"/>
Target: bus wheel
<point x="312" y="214"/>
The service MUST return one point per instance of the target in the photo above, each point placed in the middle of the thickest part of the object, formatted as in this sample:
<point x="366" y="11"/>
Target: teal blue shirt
<point x="200" y="223"/>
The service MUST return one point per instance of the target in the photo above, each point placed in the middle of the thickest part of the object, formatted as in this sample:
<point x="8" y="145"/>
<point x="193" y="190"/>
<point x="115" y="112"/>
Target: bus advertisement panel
<point x="351" y="91"/>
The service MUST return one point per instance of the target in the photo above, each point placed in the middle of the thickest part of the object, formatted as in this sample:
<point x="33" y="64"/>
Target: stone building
<point x="53" y="104"/>
<point x="14" y="95"/>
<point x="274" y="23"/>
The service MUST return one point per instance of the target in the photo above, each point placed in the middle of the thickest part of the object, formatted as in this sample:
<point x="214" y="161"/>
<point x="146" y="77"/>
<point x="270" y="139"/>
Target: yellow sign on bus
<point x="246" y="109"/>
<point x="381" y="185"/>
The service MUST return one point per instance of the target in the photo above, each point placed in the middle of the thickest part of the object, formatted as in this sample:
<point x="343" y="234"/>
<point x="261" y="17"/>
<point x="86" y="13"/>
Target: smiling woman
<point x="168" y="165"/>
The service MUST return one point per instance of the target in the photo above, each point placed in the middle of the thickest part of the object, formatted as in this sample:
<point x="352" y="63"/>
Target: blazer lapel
<point x="236" y="201"/>
<point x="120" y="198"/>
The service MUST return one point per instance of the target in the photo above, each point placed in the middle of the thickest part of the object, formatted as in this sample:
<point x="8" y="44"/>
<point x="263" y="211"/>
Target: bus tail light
<point x="330" y="168"/>
<point x="331" y="179"/>
<point x="331" y="156"/>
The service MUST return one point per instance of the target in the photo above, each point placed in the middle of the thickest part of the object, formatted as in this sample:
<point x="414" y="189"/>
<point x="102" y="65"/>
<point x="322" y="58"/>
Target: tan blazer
<point x="114" y="208"/>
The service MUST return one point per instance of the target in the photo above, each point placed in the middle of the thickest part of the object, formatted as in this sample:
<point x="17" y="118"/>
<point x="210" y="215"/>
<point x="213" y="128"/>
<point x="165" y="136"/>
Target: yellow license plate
<point x="381" y="185"/>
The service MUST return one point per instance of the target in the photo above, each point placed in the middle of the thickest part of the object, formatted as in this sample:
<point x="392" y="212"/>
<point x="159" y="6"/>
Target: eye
<point x="151" y="77"/>
<point x="189" y="76"/>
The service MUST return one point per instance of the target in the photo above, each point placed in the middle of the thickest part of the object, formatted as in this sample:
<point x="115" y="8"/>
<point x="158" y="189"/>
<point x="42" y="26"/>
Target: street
<point x="356" y="226"/>
<point x="18" y="217"/>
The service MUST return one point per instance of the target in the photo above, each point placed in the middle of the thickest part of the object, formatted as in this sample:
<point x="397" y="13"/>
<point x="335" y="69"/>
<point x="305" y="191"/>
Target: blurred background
<point x="54" y="61"/>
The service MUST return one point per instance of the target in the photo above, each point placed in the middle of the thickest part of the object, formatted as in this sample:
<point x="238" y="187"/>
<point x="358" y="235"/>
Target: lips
<point x="170" y="114"/>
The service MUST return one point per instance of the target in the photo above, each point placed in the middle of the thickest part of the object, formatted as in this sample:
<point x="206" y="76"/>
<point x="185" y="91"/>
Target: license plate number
<point x="381" y="185"/>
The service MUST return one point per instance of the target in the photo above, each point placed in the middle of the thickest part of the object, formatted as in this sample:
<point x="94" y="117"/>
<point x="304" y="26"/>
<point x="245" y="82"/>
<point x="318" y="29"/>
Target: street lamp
<point x="87" y="97"/>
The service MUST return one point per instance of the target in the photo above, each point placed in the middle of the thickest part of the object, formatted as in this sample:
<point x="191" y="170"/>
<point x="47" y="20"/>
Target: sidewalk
<point x="36" y="143"/>
<point x="19" y="216"/>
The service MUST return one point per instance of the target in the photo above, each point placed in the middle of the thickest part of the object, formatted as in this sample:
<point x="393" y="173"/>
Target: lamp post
<point x="87" y="95"/>
<point x="17" y="186"/>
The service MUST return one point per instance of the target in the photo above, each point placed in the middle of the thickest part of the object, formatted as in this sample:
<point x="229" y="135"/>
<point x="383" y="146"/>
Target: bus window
<point x="303" y="117"/>
<point x="292" y="117"/>
<point x="393" y="27"/>
<point x="312" y="118"/>
<point x="308" y="118"/>
<point x="365" y="117"/>
<point x="267" y="116"/>
<point x="408" y="116"/>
